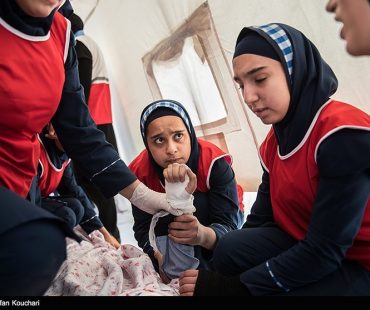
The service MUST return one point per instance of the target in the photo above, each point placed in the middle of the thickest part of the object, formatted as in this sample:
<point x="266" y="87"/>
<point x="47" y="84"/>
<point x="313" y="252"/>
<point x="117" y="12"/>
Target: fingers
<point x="52" y="137"/>
<point x="175" y="172"/>
<point x="113" y="241"/>
<point x="184" y="222"/>
<point x="192" y="185"/>
<point x="187" y="282"/>
<point x="184" y="229"/>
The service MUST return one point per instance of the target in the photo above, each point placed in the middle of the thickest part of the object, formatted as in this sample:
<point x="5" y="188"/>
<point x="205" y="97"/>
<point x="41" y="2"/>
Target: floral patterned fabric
<point x="95" y="268"/>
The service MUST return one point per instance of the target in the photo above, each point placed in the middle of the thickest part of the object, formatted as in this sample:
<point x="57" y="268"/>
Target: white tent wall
<point x="128" y="29"/>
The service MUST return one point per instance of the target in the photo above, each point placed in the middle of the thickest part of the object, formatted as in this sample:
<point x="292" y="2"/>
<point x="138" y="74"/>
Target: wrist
<point x="207" y="237"/>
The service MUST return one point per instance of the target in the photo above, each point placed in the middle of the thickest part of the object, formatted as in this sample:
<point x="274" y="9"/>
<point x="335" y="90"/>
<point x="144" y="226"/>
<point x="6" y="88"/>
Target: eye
<point x="260" y="80"/>
<point x="240" y="86"/>
<point x="178" y="136"/>
<point x="158" y="140"/>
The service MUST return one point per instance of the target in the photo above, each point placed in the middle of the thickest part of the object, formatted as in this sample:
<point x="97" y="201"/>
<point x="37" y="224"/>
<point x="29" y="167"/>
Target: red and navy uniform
<point x="28" y="97"/>
<point x="294" y="177"/>
<point x="50" y="175"/>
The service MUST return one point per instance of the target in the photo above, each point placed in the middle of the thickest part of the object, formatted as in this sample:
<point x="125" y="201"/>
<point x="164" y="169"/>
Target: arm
<point x="85" y="65"/>
<point x="83" y="142"/>
<point x="86" y="145"/>
<point x="222" y="211"/>
<point x="223" y="208"/>
<point x="343" y="192"/>
<point x="261" y="212"/>
<point x="69" y="187"/>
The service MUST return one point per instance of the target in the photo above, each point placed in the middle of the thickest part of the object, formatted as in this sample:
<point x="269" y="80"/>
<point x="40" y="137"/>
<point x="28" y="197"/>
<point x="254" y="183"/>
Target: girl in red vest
<point x="39" y="84"/>
<point x="169" y="138"/>
<point x="309" y="230"/>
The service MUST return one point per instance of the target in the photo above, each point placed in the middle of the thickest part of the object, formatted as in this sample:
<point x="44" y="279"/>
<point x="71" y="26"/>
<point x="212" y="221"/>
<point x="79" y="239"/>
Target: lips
<point x="259" y="112"/>
<point x="172" y="161"/>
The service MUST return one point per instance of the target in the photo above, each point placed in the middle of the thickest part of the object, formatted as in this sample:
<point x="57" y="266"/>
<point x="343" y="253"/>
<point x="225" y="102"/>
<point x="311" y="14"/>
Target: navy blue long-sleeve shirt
<point x="343" y="191"/>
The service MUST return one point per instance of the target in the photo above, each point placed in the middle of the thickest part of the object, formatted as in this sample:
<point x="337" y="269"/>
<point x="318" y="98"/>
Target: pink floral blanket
<point x="95" y="268"/>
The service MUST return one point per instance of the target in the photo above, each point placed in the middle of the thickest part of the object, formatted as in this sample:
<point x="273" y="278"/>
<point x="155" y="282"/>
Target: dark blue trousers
<point x="67" y="208"/>
<point x="32" y="246"/>
<point x="243" y="249"/>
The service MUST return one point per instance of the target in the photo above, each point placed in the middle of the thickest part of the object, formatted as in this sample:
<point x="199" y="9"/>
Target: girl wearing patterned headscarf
<point x="309" y="230"/>
<point x="170" y="139"/>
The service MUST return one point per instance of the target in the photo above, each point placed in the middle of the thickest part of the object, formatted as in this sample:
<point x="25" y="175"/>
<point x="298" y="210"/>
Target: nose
<point x="331" y="6"/>
<point x="171" y="147"/>
<point x="250" y="97"/>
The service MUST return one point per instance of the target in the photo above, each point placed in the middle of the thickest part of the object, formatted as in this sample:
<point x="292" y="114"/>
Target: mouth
<point x="173" y="160"/>
<point x="259" y="112"/>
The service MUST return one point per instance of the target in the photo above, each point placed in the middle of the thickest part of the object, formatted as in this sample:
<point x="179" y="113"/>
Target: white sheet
<point x="95" y="268"/>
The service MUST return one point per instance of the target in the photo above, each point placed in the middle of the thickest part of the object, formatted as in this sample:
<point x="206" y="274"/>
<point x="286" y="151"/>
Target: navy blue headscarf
<point x="311" y="80"/>
<point x="169" y="107"/>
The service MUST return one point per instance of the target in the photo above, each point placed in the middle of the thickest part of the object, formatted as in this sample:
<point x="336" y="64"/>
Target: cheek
<point x="187" y="151"/>
<point x="157" y="155"/>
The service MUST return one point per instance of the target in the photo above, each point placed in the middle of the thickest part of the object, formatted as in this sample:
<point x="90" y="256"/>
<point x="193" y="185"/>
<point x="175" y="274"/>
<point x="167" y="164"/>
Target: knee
<point x="34" y="253"/>
<point x="70" y="217"/>
<point x="224" y="253"/>
<point x="76" y="209"/>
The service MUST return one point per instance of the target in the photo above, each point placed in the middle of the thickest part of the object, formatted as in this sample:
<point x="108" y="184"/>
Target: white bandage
<point x="150" y="201"/>
<point x="180" y="201"/>
<point x="178" y="197"/>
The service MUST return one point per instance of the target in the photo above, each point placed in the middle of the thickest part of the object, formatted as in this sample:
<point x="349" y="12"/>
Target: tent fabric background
<point x="128" y="29"/>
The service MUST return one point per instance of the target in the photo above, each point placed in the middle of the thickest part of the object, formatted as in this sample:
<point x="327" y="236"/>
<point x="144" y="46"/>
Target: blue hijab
<point x="165" y="107"/>
<point x="311" y="81"/>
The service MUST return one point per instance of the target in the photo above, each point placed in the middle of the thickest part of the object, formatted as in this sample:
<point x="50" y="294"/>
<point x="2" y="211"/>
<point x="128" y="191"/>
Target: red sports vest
<point x="100" y="103"/>
<point x="32" y="78"/>
<point x="294" y="177"/>
<point x="208" y="154"/>
<point x="50" y="175"/>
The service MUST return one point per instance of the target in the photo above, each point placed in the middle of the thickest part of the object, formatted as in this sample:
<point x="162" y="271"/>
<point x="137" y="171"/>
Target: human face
<point x="355" y="16"/>
<point x="168" y="140"/>
<point x="264" y="86"/>
<point x="38" y="8"/>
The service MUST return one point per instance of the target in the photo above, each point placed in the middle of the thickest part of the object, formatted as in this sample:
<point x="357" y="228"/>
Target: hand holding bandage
<point x="180" y="182"/>
<point x="179" y="199"/>
<point x="152" y="202"/>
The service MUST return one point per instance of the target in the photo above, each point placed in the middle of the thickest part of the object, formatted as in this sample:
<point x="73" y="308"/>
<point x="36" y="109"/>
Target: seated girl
<point x="173" y="149"/>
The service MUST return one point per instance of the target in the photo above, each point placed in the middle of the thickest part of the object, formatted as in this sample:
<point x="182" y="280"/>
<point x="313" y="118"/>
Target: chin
<point x="355" y="51"/>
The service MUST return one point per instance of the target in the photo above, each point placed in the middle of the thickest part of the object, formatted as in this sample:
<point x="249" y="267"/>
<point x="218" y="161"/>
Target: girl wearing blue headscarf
<point x="170" y="139"/>
<point x="309" y="230"/>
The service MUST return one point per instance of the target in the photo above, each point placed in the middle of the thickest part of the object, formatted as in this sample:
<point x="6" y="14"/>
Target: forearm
<point x="146" y="199"/>
<point x="129" y="190"/>
<point x="207" y="238"/>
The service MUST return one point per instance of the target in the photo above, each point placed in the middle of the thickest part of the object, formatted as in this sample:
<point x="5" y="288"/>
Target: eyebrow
<point x="160" y="134"/>
<point x="251" y="72"/>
